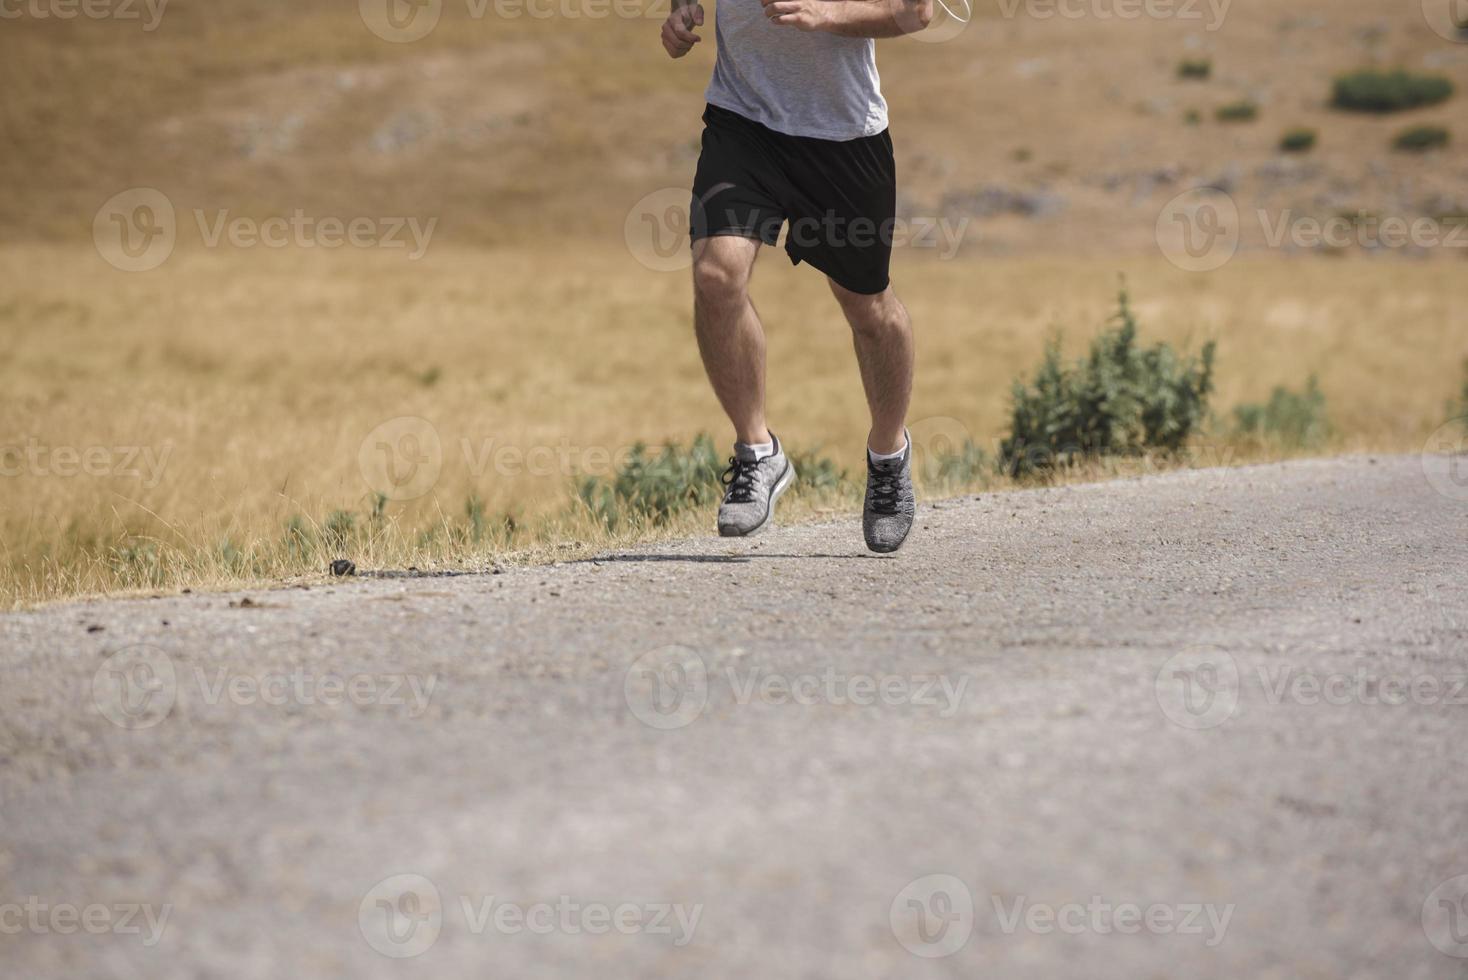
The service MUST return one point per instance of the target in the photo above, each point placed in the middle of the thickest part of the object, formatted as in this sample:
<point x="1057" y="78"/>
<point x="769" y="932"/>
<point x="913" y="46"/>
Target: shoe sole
<point x="781" y="485"/>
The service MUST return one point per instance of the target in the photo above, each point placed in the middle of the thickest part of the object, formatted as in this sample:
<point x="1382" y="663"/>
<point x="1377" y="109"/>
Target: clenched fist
<point x="678" y="36"/>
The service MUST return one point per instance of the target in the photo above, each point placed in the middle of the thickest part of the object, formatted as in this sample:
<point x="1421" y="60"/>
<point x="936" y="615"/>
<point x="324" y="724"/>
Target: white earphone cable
<point x="968" y="10"/>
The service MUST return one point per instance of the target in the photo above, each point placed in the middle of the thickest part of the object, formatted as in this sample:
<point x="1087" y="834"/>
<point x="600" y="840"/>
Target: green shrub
<point x="1396" y="91"/>
<point x="1122" y="399"/>
<point x="1299" y="140"/>
<point x="1294" y="420"/>
<point x="1198" y="69"/>
<point x="1240" y="111"/>
<point x="654" y="488"/>
<point x="1420" y="139"/>
<point x="967" y="466"/>
<point x="1192" y="117"/>
<point x="815" y="472"/>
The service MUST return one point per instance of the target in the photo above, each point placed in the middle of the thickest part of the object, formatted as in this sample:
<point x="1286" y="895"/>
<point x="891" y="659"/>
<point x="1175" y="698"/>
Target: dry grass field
<point x="168" y="428"/>
<point x="533" y="370"/>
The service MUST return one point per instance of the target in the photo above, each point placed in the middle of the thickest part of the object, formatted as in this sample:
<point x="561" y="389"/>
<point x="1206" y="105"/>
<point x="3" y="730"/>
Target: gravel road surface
<point x="1203" y="724"/>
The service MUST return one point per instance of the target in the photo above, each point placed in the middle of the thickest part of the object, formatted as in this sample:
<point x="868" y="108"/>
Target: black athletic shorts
<point x="840" y="197"/>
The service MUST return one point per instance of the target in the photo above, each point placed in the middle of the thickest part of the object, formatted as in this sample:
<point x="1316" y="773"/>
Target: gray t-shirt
<point x="795" y="82"/>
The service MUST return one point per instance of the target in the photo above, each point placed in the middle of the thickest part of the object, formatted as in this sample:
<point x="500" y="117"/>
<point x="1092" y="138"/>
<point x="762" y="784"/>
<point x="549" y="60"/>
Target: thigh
<point x="843" y="209"/>
<point x="735" y="191"/>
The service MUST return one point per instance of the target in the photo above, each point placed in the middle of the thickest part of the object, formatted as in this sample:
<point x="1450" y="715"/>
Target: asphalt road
<point x="1206" y="724"/>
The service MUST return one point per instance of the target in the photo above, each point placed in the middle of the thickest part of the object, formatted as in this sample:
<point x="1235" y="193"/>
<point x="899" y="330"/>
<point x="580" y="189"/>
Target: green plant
<point x="1199" y="69"/>
<point x="1240" y="111"/>
<point x="816" y="472"/>
<point x="968" y="466"/>
<point x="1192" y="117"/>
<point x="653" y="488"/>
<point x="1420" y="139"/>
<point x="1121" y="399"/>
<point x="1396" y="91"/>
<point x="1295" y="420"/>
<point x="340" y="527"/>
<point x="1298" y="140"/>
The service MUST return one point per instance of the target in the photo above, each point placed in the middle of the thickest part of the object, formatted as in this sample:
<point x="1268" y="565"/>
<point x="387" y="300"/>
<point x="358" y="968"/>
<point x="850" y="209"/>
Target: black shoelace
<point x="884" y="489"/>
<point x="739" y="478"/>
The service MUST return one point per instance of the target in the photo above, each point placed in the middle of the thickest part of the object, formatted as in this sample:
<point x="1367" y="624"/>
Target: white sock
<point x="759" y="449"/>
<point x="877" y="457"/>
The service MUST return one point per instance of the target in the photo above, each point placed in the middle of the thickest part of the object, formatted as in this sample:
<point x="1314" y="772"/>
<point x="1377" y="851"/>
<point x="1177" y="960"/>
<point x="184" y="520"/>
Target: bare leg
<point x="731" y="338"/>
<point x="882" y="333"/>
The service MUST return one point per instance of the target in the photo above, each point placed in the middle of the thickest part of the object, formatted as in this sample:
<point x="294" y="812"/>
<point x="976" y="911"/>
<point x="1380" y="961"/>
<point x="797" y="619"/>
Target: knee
<point x="874" y="316"/>
<point x="717" y="281"/>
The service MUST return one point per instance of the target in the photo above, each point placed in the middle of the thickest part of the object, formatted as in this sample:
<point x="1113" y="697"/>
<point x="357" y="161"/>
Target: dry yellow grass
<point x="248" y="382"/>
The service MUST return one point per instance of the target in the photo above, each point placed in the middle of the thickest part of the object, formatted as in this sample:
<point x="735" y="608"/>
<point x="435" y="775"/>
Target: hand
<point x="805" y="15"/>
<point x="678" y="36"/>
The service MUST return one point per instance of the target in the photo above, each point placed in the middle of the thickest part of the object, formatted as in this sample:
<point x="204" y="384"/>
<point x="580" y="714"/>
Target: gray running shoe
<point x="751" y="488"/>
<point x="890" y="505"/>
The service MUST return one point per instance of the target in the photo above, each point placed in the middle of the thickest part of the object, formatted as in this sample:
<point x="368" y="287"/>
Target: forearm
<point x="876" y="18"/>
